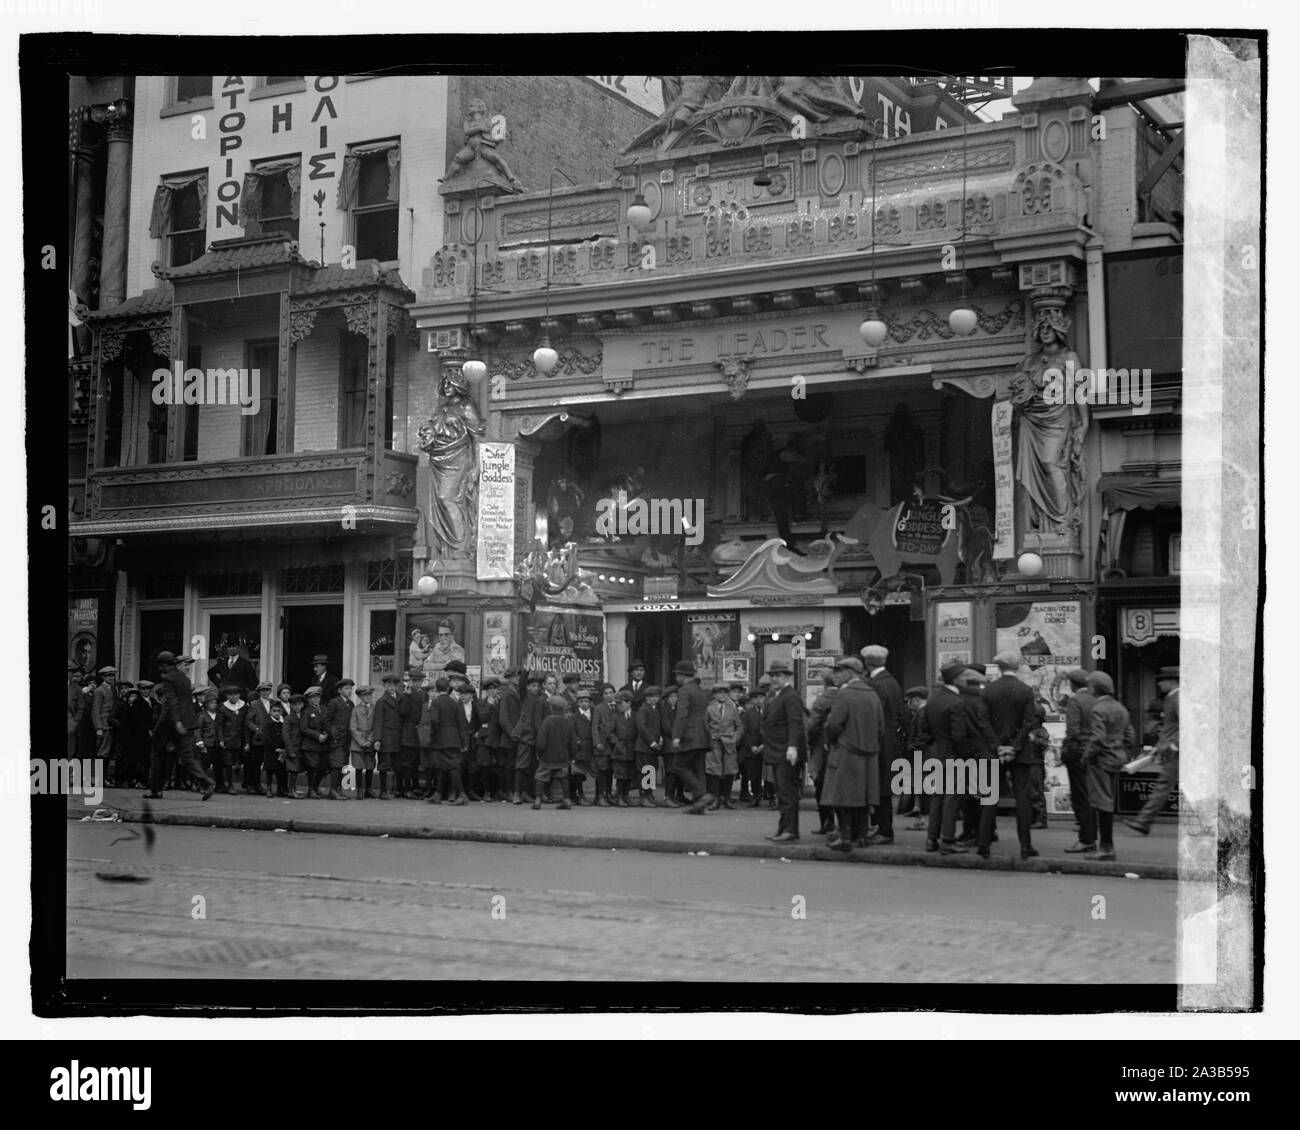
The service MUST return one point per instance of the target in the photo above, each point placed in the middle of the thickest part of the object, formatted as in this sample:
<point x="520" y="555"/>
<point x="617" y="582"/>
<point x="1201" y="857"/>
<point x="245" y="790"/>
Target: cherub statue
<point x="480" y="145"/>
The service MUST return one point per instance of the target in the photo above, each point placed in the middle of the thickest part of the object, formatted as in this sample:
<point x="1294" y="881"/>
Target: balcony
<point x="302" y="489"/>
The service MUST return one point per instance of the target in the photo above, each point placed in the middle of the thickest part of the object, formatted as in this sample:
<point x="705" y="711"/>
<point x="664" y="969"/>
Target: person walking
<point x="855" y="735"/>
<point x="1108" y="750"/>
<point x="1078" y="734"/>
<point x="177" y="721"/>
<point x="1166" y="753"/>
<point x="785" y="748"/>
<point x="943" y="733"/>
<point x="690" y="744"/>
<point x="890" y="693"/>
<point x="1014" y="712"/>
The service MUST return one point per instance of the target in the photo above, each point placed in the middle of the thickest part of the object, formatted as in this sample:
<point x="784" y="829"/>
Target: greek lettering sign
<point x="496" y="511"/>
<point x="1004" y="533"/>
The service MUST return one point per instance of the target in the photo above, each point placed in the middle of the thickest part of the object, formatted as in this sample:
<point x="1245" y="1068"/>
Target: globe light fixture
<point x="545" y="358"/>
<point x="638" y="213"/>
<point x="775" y="636"/>
<point x="427" y="585"/>
<point x="474" y="369"/>
<point x="962" y="320"/>
<point x="1030" y="564"/>
<point x="873" y="330"/>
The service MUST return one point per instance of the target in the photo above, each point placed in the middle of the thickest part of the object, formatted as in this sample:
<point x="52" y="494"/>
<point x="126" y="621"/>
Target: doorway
<point x="244" y="630"/>
<point x="311" y="629"/>
<point x="893" y="628"/>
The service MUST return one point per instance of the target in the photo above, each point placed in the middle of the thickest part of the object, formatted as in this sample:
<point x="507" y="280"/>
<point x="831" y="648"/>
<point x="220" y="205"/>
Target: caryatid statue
<point x="449" y="438"/>
<point x="1053" y="426"/>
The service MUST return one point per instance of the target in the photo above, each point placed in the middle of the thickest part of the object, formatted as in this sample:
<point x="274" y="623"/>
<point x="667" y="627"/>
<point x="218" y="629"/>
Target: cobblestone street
<point x="301" y="906"/>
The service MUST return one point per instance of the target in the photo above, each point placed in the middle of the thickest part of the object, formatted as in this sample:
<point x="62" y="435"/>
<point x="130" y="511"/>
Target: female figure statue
<point x="1049" y="454"/>
<point x="449" y="439"/>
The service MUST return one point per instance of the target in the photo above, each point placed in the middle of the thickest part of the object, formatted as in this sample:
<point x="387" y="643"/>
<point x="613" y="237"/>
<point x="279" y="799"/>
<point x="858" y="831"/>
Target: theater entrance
<point x="893" y="627"/>
<point x="311" y="629"/>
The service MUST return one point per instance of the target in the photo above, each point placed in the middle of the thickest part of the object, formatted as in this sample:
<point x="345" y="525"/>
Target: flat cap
<point x="917" y="692"/>
<point x="1100" y="682"/>
<point x="951" y="672"/>
<point x="107" y="671"/>
<point x="166" y="657"/>
<point x="365" y="690"/>
<point x="683" y="667"/>
<point x="851" y="662"/>
<point x="391" y="678"/>
<point x="314" y="691"/>
<point x="1008" y="660"/>
<point x="780" y="667"/>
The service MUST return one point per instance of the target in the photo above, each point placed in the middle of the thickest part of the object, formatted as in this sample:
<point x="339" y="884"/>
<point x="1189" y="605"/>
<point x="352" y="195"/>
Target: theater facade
<point x="692" y="444"/>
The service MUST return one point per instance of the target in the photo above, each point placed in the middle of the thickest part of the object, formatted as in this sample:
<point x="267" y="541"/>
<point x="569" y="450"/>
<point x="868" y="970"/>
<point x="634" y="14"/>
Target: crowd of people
<point x="534" y="738"/>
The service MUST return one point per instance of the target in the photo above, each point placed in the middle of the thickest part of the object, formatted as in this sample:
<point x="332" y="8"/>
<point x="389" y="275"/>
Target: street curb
<point x="800" y="851"/>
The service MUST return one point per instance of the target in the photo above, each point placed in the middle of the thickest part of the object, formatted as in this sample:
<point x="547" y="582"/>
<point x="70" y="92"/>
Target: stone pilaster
<point x="117" y="206"/>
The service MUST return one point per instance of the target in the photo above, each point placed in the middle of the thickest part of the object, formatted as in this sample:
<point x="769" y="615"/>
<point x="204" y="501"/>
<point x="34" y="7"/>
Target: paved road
<point x="290" y="905"/>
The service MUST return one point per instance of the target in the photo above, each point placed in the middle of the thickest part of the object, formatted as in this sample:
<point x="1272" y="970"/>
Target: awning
<point x="1139" y="492"/>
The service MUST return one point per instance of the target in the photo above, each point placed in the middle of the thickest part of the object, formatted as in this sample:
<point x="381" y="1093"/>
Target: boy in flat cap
<point x="532" y="712"/>
<point x="361" y="752"/>
<point x="725" y="727"/>
<point x="603" y="740"/>
<point x="623" y="755"/>
<point x="486" y="782"/>
<point x="292" y="735"/>
<point x="338" y="717"/>
<point x="259" y="758"/>
<point x="584" y="748"/>
<point x="411" y="705"/>
<point x="315" y="743"/>
<point x="386" y="730"/>
<point x="503" y="747"/>
<point x="232" y="737"/>
<point x="555" y="750"/>
<point x="649" y="744"/>
<point x="274" y="778"/>
<point x="205" y="740"/>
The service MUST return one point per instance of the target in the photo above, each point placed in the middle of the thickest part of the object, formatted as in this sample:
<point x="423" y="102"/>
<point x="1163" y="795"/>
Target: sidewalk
<point x="738" y="832"/>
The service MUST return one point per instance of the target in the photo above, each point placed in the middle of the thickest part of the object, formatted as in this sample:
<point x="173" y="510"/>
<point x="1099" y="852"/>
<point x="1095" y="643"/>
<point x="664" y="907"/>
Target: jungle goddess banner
<point x="560" y="642"/>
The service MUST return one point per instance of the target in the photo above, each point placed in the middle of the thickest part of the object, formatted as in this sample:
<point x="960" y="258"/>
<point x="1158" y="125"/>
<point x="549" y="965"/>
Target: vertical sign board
<point x="1004" y="533"/>
<point x="496" y="511"/>
<point x="953" y="639"/>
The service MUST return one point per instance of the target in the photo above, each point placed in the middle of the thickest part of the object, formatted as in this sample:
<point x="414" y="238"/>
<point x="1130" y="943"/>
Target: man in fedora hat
<point x="1166" y="753"/>
<point x="231" y="667"/>
<point x="321" y="677"/>
<point x="784" y="748"/>
<point x="177" y="721"/>
<point x="690" y="741"/>
<point x="855" y="733"/>
<point x="1014" y="712"/>
<point x="636" y="682"/>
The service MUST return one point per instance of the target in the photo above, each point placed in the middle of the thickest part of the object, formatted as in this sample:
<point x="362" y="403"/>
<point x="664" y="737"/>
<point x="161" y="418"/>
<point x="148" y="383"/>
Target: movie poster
<point x="1048" y="635"/>
<point x="563" y="641"/>
<point x="708" y="634"/>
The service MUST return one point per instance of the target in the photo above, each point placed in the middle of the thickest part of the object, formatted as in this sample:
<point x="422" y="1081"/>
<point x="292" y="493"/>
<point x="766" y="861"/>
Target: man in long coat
<point x="785" y="748"/>
<point x="943" y="733"/>
<point x="1108" y="752"/>
<point x="855" y="735"/>
<point x="1078" y="733"/>
<point x="1166" y="752"/>
<point x="690" y="743"/>
<point x="890" y="693"/>
<point x="1014" y="712"/>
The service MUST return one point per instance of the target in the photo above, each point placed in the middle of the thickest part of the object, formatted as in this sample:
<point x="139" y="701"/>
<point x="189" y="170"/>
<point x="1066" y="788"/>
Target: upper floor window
<point x="180" y="217"/>
<point x="270" y="199"/>
<point x="369" y="190"/>
<point x="190" y="88"/>
<point x="260" y="427"/>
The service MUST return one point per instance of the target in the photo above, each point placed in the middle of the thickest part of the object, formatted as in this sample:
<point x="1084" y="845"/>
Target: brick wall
<point x="553" y="121"/>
